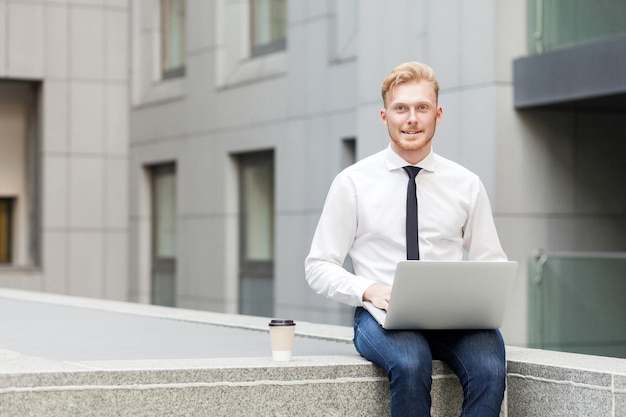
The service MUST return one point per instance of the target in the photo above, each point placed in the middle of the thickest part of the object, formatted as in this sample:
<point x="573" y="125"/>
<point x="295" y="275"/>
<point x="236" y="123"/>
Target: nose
<point x="412" y="117"/>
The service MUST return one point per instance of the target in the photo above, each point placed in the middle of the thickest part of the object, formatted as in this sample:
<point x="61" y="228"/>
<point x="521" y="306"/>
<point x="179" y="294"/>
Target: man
<point x="364" y="216"/>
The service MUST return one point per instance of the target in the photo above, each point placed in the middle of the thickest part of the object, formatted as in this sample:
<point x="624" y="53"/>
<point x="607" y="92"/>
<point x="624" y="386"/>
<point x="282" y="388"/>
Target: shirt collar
<point x="394" y="161"/>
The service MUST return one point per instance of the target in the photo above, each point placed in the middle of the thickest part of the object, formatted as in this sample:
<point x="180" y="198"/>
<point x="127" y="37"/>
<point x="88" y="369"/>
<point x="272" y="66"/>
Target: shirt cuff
<point x="360" y="287"/>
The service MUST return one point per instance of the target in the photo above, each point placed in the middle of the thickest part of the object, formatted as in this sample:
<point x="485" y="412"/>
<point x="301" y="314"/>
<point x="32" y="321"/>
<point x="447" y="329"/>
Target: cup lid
<point x="280" y="322"/>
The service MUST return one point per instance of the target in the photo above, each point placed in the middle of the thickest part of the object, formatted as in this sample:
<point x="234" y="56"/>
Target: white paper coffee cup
<point x="282" y="335"/>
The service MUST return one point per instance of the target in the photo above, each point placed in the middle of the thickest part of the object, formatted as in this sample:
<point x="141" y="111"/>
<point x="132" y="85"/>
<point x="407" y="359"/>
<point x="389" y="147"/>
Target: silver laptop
<point x="447" y="295"/>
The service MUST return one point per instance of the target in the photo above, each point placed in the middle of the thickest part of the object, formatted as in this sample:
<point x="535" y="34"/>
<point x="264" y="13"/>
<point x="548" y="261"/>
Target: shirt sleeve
<point x="331" y="244"/>
<point x="480" y="238"/>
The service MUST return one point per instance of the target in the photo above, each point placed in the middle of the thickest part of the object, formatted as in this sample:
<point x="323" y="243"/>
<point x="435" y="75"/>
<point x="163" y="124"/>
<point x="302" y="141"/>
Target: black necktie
<point x="412" y="247"/>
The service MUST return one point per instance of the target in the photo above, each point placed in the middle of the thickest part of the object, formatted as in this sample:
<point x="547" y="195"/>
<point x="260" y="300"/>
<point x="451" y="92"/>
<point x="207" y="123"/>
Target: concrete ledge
<point x="214" y="387"/>
<point x="540" y="383"/>
<point x="306" y="386"/>
<point x="547" y="383"/>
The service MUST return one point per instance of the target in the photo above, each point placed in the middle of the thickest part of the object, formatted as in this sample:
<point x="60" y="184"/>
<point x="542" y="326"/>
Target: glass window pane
<point x="259" y="212"/>
<point x="164" y="188"/>
<point x="256" y="263"/>
<point x="268" y="25"/>
<point x="559" y="23"/>
<point x="173" y="37"/>
<point x="257" y="296"/>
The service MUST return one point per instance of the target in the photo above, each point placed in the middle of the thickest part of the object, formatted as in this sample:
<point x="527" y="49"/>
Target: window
<point x="164" y="219"/>
<point x="348" y="152"/>
<point x="173" y="38"/>
<point x="20" y="192"/>
<point x="559" y="23"/>
<point x="159" y="47"/>
<point x="268" y="26"/>
<point x="256" y="252"/>
<point x="6" y="226"/>
<point x="247" y="30"/>
<point x="344" y="30"/>
<point x="348" y="157"/>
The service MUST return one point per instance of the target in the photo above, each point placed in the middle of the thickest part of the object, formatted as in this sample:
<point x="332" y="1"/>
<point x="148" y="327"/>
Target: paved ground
<point x="69" y="333"/>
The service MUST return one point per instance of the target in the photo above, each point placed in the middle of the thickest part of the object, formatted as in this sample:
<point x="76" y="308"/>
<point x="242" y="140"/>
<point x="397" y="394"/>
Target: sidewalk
<point x="66" y="356"/>
<point x="43" y="327"/>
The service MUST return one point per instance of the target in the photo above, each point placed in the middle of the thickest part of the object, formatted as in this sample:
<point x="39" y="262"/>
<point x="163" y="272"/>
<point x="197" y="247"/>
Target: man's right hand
<point x="378" y="294"/>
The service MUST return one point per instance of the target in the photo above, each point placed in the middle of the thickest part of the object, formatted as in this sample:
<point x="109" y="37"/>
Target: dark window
<point x="6" y="229"/>
<point x="348" y="152"/>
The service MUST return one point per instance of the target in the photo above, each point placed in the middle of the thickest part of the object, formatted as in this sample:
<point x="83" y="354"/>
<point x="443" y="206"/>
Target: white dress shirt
<point x="364" y="216"/>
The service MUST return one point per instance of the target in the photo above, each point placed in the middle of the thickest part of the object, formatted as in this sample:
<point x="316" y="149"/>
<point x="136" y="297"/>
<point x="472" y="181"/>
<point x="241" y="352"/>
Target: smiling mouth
<point x="411" y="132"/>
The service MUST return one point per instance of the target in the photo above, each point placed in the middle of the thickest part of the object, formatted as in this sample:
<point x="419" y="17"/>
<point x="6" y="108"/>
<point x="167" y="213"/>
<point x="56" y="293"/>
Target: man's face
<point x="411" y="115"/>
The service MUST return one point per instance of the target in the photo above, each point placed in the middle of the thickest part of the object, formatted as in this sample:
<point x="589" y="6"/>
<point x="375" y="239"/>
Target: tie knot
<point x="412" y="171"/>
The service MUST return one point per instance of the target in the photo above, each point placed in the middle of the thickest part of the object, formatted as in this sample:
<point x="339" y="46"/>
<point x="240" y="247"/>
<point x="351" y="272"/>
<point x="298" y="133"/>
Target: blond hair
<point x="408" y="72"/>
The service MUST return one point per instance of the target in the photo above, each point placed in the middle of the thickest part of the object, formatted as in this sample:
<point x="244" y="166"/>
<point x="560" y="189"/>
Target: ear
<point x="439" y="114"/>
<point x="383" y="116"/>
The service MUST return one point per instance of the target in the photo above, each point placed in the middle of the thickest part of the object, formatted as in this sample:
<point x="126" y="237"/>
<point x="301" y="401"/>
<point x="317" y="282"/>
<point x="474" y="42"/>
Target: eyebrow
<point x="416" y="103"/>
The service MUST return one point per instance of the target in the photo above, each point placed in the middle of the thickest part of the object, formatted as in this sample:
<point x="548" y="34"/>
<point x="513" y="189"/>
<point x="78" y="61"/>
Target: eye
<point x="423" y="107"/>
<point x="400" y="108"/>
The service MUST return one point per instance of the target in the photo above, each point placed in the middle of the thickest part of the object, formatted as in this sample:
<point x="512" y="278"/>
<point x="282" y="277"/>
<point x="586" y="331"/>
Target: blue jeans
<point x="477" y="357"/>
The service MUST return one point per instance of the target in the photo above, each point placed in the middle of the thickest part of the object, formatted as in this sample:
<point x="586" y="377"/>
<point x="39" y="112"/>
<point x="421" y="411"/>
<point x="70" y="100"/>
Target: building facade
<point x="186" y="147"/>
<point x="64" y="89"/>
